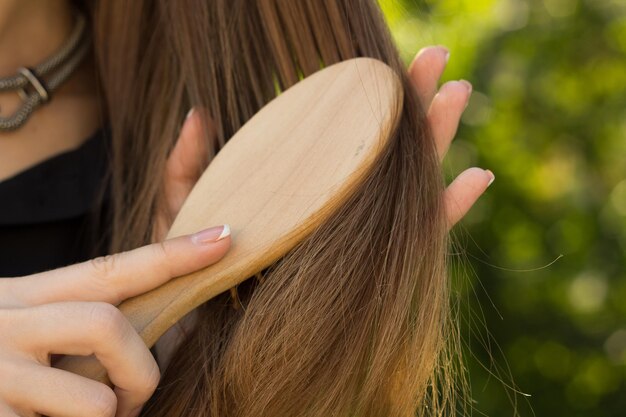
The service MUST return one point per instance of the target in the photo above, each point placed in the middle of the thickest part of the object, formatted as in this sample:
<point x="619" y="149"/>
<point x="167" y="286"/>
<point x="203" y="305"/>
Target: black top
<point x="54" y="213"/>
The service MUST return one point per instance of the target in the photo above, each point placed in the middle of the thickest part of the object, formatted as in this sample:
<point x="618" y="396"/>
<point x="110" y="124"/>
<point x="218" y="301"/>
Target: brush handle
<point x="283" y="174"/>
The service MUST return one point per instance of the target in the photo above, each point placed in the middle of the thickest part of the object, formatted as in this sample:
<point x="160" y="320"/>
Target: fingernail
<point x="467" y="84"/>
<point x="447" y="53"/>
<point x="493" y="177"/>
<point x="212" y="235"/>
<point x="189" y="113"/>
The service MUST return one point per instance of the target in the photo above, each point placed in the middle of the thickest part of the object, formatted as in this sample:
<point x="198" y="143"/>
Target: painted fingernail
<point x="211" y="235"/>
<point x="467" y="84"/>
<point x="189" y="113"/>
<point x="493" y="177"/>
<point x="447" y="53"/>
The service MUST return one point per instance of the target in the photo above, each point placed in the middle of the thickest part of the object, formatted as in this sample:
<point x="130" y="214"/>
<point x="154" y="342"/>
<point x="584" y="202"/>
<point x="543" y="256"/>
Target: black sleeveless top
<point x="56" y="212"/>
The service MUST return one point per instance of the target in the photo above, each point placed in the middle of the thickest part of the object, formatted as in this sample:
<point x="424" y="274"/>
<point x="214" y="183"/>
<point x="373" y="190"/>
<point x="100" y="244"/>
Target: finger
<point x="53" y="392"/>
<point x="464" y="191"/>
<point x="6" y="410"/>
<point x="88" y="328"/>
<point x="445" y="112"/>
<point x="116" y="277"/>
<point x="186" y="162"/>
<point x="188" y="158"/>
<point x="425" y="71"/>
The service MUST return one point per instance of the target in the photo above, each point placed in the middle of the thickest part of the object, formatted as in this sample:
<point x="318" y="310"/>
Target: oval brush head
<point x="282" y="175"/>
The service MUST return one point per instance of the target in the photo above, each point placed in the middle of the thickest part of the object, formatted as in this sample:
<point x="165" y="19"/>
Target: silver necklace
<point x="30" y="84"/>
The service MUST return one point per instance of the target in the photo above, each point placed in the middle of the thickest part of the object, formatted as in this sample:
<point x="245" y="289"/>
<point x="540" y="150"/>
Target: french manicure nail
<point x="493" y="177"/>
<point x="467" y="84"/>
<point x="211" y="235"/>
<point x="445" y="50"/>
<point x="189" y="113"/>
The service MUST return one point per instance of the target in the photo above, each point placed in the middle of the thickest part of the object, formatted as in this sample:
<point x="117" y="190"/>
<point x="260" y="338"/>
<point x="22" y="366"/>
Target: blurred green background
<point x="548" y="116"/>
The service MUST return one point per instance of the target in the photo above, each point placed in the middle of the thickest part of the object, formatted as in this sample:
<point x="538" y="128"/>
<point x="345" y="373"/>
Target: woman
<point x="48" y="308"/>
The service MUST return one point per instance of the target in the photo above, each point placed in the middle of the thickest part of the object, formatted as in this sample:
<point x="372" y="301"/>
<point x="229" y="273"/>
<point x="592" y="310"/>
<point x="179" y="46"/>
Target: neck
<point x="31" y="31"/>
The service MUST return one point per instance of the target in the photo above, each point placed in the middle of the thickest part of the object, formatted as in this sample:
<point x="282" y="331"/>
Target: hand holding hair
<point x="72" y="310"/>
<point x="446" y="105"/>
<point x="445" y="108"/>
<point x="186" y="162"/>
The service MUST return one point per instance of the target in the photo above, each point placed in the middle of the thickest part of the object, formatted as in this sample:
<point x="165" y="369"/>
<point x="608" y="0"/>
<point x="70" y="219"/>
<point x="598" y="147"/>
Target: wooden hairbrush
<point x="282" y="175"/>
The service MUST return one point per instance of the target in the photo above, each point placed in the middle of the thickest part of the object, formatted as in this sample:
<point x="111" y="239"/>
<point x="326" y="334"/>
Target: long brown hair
<point x="355" y="320"/>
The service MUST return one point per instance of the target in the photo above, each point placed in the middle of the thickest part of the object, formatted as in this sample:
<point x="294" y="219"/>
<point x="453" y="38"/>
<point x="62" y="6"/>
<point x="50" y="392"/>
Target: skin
<point x="31" y="30"/>
<point x="72" y="310"/>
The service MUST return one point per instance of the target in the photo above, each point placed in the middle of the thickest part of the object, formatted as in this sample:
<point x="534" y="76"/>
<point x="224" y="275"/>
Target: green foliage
<point x="548" y="117"/>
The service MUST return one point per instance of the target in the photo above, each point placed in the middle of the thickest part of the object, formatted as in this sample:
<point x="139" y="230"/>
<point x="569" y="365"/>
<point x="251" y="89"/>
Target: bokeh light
<point x="540" y="262"/>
